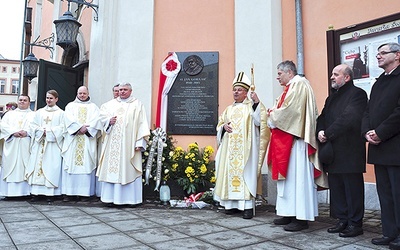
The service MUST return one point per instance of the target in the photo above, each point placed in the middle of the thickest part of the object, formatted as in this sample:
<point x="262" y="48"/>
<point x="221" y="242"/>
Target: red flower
<point x="171" y="65"/>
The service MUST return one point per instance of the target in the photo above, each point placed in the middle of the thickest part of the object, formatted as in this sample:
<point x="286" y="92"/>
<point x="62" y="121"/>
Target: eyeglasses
<point x="382" y="53"/>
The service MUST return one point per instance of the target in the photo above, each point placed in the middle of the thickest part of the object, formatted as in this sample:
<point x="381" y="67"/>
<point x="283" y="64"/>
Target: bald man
<point x="83" y="125"/>
<point x="342" y="151"/>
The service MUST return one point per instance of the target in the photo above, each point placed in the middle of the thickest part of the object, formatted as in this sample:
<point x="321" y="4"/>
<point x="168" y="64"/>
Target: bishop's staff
<point x="252" y="86"/>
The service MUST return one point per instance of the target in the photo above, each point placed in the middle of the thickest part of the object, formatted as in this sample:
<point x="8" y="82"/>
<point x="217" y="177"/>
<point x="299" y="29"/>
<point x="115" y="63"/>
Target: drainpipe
<point x="299" y="39"/>
<point x="21" y="85"/>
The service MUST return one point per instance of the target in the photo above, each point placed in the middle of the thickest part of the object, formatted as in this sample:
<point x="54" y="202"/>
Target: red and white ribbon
<point x="168" y="73"/>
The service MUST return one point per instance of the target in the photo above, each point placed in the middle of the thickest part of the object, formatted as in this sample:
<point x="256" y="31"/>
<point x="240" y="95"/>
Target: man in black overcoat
<point x="381" y="128"/>
<point x="342" y="151"/>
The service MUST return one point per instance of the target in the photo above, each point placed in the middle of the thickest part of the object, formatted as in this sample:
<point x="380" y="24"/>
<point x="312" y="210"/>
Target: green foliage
<point x="193" y="168"/>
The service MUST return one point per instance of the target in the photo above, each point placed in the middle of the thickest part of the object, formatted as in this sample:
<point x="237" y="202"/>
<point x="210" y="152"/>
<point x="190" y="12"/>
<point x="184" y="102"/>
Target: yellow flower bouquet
<point x="193" y="169"/>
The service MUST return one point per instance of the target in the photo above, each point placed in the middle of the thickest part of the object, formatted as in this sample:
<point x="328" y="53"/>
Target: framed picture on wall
<point x="356" y="46"/>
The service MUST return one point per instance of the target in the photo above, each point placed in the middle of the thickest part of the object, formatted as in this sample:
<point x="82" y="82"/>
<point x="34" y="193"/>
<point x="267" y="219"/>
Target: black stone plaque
<point x="193" y="98"/>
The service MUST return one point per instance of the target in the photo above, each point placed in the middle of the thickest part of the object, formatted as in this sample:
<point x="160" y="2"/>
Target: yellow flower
<point x="203" y="169"/>
<point x="193" y="145"/>
<point x="212" y="179"/>
<point x="189" y="170"/>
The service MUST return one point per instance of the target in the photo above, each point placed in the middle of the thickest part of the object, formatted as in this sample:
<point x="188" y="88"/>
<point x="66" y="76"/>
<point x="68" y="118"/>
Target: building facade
<point x="9" y="81"/>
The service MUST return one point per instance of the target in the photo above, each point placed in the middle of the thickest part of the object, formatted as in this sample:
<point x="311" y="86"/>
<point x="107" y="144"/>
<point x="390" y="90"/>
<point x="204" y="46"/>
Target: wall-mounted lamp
<point x="67" y="26"/>
<point x="31" y="63"/>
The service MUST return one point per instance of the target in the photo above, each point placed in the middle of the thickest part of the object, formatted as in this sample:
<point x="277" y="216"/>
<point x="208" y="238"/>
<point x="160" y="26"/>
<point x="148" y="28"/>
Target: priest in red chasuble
<point x="292" y="150"/>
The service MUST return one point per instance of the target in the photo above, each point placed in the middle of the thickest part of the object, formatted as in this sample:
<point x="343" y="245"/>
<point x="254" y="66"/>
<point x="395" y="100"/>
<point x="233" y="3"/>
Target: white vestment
<point x="297" y="194"/>
<point x="239" y="157"/>
<point x="16" y="152"/>
<point x="120" y="165"/>
<point x="79" y="151"/>
<point x="45" y="162"/>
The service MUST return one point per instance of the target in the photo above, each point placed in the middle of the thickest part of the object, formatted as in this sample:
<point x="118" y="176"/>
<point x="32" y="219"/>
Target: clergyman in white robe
<point x="17" y="137"/>
<point x="83" y="125"/>
<point x="45" y="162"/>
<point x="120" y="163"/>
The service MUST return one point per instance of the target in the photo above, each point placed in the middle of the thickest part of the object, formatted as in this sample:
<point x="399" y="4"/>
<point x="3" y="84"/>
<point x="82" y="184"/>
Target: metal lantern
<point x="31" y="65"/>
<point x="67" y="30"/>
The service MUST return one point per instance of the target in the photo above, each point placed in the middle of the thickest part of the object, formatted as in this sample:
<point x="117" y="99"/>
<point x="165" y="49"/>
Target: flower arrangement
<point x="192" y="168"/>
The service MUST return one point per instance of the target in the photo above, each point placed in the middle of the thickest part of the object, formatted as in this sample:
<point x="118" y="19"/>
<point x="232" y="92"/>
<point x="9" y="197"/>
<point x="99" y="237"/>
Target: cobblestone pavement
<point x="94" y="225"/>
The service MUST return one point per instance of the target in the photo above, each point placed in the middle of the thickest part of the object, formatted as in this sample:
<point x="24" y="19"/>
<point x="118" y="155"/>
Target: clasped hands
<point x="21" y="133"/>
<point x="372" y="137"/>
<point x="113" y="120"/>
<point x="83" y="130"/>
<point x="321" y="136"/>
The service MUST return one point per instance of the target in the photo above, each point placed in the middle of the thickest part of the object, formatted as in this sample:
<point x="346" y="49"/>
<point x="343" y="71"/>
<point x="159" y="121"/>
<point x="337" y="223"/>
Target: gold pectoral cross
<point x="20" y="124"/>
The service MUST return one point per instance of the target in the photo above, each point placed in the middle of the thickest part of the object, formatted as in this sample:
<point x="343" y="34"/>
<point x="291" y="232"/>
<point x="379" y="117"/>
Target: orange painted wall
<point x="205" y="25"/>
<point x="317" y="17"/>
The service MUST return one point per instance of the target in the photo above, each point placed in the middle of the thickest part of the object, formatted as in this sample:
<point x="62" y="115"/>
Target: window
<point x="14" y="70"/>
<point x="14" y="86"/>
<point x="2" y="86"/>
<point x="4" y="69"/>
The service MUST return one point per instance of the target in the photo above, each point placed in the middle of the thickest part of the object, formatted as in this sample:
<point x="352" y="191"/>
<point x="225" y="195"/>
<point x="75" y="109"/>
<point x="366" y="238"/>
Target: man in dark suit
<point x="342" y="151"/>
<point x="381" y="128"/>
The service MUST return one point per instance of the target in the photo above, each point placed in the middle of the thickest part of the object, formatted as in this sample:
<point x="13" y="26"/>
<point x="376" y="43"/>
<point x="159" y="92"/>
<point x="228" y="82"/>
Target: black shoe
<point x="340" y="226"/>
<point x="50" y="199"/>
<point x="231" y="211"/>
<point x="382" y="241"/>
<point x="83" y="198"/>
<point x="35" y="198"/>
<point x="395" y="244"/>
<point x="351" y="231"/>
<point x="296" y="225"/>
<point x="248" y="213"/>
<point x="66" y="198"/>
<point x="283" y="221"/>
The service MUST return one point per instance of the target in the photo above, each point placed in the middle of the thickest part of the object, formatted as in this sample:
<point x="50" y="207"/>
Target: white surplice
<point x="297" y="194"/>
<point x="16" y="152"/>
<point x="80" y="150"/>
<point x="45" y="162"/>
<point x="120" y="165"/>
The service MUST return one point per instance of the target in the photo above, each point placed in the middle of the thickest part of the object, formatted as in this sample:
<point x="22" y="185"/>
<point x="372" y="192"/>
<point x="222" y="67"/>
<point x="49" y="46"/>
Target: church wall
<point x="195" y="26"/>
<point x="121" y="45"/>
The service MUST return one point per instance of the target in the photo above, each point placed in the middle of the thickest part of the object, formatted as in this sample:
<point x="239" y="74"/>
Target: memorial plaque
<point x="193" y="98"/>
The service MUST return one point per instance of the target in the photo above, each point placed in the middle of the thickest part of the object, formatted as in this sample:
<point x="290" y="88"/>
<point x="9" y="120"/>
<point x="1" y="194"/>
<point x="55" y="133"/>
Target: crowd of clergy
<point x="80" y="153"/>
